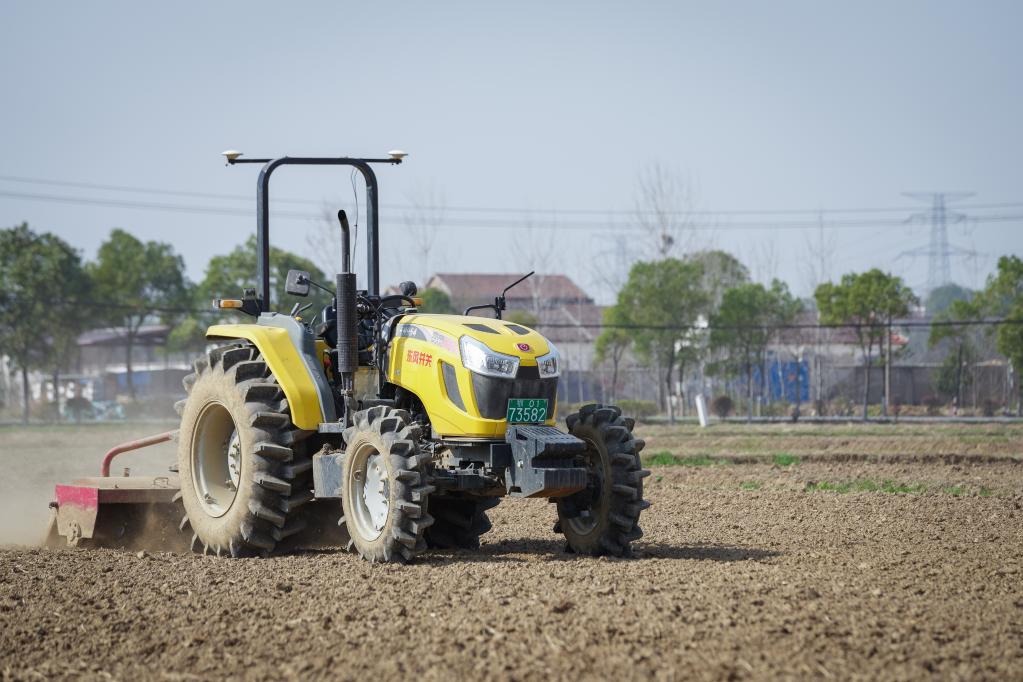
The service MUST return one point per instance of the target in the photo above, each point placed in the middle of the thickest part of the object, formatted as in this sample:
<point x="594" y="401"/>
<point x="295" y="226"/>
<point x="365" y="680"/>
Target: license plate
<point x="527" y="410"/>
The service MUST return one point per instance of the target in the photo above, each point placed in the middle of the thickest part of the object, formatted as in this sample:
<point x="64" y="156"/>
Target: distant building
<point x="99" y="372"/>
<point x="102" y="368"/>
<point x="549" y="291"/>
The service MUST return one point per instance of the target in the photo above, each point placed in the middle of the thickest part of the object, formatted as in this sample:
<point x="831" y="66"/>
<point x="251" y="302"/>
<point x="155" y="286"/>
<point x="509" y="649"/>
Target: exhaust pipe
<point x="347" y="320"/>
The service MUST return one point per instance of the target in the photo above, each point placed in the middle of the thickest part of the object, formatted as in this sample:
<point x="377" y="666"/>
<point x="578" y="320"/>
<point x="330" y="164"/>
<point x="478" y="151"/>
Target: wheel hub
<point x="375" y="492"/>
<point x="370" y="493"/>
<point x="216" y="459"/>
<point x="234" y="460"/>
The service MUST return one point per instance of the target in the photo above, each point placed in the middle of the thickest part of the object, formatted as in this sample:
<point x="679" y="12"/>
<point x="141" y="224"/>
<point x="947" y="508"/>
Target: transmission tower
<point x="939" y="251"/>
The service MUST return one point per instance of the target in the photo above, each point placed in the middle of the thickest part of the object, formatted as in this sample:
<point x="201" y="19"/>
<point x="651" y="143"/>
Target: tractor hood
<point x="465" y="370"/>
<point x="502" y="336"/>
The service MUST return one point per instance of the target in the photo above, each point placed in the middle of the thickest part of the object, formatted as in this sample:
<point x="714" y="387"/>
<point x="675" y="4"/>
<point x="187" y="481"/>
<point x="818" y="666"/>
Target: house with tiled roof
<point x="465" y="289"/>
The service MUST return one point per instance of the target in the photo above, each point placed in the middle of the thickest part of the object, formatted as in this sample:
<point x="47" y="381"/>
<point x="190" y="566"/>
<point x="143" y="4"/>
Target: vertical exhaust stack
<point x="347" y="319"/>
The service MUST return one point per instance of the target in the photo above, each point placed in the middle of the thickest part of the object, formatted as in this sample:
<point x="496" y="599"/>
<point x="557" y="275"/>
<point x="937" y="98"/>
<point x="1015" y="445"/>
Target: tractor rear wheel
<point x="243" y="468"/>
<point x="459" y="521"/>
<point x="384" y="486"/>
<point x="604" y="517"/>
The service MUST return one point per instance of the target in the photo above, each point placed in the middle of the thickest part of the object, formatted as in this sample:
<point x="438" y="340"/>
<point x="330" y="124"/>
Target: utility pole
<point x="887" y="370"/>
<point x="818" y="363"/>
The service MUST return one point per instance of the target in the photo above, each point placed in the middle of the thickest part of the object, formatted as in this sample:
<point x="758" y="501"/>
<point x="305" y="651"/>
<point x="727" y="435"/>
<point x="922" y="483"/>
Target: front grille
<point x="492" y="394"/>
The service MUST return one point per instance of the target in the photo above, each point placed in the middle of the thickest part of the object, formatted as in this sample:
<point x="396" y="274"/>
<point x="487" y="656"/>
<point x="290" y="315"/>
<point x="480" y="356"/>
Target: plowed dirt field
<point x="903" y="561"/>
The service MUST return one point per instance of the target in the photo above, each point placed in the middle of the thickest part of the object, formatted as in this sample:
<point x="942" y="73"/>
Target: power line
<point x="484" y="223"/>
<point x="143" y="190"/>
<point x="147" y="205"/>
<point x="494" y="209"/>
<point x="904" y="324"/>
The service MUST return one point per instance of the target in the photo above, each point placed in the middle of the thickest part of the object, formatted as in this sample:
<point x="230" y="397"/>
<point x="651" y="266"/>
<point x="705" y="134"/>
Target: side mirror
<point x="297" y="283"/>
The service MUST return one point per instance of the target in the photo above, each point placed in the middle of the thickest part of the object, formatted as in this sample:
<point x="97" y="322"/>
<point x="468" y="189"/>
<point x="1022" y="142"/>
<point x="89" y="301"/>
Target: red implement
<point x="137" y="511"/>
<point x="133" y="445"/>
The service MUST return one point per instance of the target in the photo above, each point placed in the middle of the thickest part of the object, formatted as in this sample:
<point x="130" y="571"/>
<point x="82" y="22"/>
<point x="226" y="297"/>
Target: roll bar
<point x="263" y="215"/>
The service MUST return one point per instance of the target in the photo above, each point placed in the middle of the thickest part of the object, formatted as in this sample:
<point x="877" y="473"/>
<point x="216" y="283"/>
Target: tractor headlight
<point x="550" y="364"/>
<point x="478" y="358"/>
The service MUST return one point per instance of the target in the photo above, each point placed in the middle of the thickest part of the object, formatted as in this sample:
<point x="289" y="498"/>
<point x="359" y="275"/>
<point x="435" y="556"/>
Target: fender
<point x="303" y="388"/>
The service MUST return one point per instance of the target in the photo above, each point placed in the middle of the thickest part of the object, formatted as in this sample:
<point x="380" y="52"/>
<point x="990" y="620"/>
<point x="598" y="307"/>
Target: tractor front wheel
<point x="384" y="486"/>
<point x="604" y="517"/>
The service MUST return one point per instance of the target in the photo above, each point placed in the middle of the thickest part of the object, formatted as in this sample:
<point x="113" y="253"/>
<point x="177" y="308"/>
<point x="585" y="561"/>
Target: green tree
<point x="229" y="275"/>
<point x="1003" y="296"/>
<point x="1005" y="288"/>
<point x="954" y="376"/>
<point x="189" y="334"/>
<point x="612" y="344"/>
<point x="745" y="324"/>
<point x="43" y="288"/>
<point x="721" y="272"/>
<point x="787" y="310"/>
<point x="666" y="299"/>
<point x="436" y="301"/>
<point x="140" y="281"/>
<point x="867" y="302"/>
<point x="939" y="300"/>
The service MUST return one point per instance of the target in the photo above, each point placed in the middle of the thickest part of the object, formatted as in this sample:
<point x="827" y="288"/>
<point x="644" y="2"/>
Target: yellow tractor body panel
<point x="423" y="344"/>
<point x="284" y="360"/>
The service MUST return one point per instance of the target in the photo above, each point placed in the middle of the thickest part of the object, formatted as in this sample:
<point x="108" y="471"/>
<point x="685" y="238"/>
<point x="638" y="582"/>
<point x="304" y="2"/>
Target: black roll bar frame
<point x="263" y="215"/>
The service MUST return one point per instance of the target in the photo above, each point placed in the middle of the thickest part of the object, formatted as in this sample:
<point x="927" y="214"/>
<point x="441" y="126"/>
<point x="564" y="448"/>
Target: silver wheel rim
<point x="371" y="492"/>
<point x="216" y="459"/>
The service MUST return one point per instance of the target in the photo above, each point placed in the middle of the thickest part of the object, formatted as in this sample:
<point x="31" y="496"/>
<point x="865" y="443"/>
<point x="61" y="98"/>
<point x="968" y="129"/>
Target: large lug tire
<point x="459" y="521"/>
<point x="243" y="468"/>
<point x="604" y="518"/>
<point x="385" y="491"/>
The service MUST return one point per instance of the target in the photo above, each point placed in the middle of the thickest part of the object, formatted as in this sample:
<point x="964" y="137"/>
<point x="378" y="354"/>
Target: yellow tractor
<point x="417" y="423"/>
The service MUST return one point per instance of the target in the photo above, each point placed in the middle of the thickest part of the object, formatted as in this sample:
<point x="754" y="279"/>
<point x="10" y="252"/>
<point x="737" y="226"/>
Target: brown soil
<point x="742" y="573"/>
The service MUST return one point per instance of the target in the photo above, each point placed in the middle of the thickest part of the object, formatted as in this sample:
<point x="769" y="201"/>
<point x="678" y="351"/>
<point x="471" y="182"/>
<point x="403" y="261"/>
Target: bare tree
<point x="663" y="213"/>
<point x="535" y="250"/>
<point x="422" y="222"/>
<point x="613" y="255"/>
<point x="323" y="242"/>
<point x="664" y="210"/>
<point x="763" y="259"/>
<point x="819" y="256"/>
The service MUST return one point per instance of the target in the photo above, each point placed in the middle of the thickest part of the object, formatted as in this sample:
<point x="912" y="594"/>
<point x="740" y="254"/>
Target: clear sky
<point x="534" y="105"/>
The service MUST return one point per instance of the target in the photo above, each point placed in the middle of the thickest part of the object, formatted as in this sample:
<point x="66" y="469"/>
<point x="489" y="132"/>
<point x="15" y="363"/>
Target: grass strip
<point x="666" y="459"/>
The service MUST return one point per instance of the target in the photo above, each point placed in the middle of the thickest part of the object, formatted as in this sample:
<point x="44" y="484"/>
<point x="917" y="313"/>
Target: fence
<point x="819" y="368"/>
<point x="827" y="378"/>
